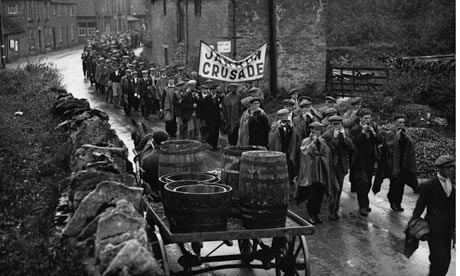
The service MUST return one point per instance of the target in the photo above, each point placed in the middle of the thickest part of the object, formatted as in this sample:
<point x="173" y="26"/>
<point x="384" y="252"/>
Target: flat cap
<point x="152" y="69"/>
<point x="253" y="89"/>
<point x="335" y="118"/>
<point x="234" y="84"/>
<point x="316" y="124"/>
<point x="204" y="86"/>
<point x="282" y="111"/>
<point x="181" y="68"/>
<point x="128" y="71"/>
<point x="445" y="161"/>
<point x="141" y="63"/>
<point x="162" y="69"/>
<point x="330" y="111"/>
<point x="209" y="81"/>
<point x="288" y="102"/>
<point x="305" y="97"/>
<point x="180" y="83"/>
<point x="356" y="100"/>
<point x="330" y="98"/>
<point x="191" y="82"/>
<point x="304" y="102"/>
<point x="293" y="90"/>
<point x="255" y="99"/>
<point x="125" y="56"/>
<point x="135" y="72"/>
<point x="101" y="58"/>
<point x="145" y="71"/>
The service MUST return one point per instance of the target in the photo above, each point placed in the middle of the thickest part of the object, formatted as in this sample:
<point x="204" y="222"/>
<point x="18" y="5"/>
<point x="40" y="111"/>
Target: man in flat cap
<point x="302" y="121"/>
<point x="168" y="104"/>
<point x="397" y="162"/>
<point x="127" y="90"/>
<point x="283" y="137"/>
<point x="233" y="110"/>
<point x="316" y="173"/>
<point x="341" y="145"/>
<point x="350" y="120"/>
<point x="366" y="138"/>
<point x="254" y="125"/>
<point x="211" y="115"/>
<point x="330" y="102"/>
<point x="437" y="195"/>
<point x="98" y="74"/>
<point x="146" y="96"/>
<point x="289" y="104"/>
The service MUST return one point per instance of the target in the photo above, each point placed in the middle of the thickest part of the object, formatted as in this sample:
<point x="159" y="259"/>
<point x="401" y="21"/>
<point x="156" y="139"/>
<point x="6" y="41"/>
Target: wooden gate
<point x="355" y="81"/>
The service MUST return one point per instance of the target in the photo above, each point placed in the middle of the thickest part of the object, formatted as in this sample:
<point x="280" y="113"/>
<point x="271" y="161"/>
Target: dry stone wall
<point x="101" y="209"/>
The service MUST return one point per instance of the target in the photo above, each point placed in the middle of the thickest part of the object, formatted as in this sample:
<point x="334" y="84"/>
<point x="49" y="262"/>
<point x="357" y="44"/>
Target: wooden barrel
<point x="194" y="206"/>
<point x="263" y="189"/>
<point x="180" y="156"/>
<point x="230" y="173"/>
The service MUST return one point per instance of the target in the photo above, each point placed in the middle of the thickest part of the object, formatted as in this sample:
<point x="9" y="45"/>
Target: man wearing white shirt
<point x="437" y="195"/>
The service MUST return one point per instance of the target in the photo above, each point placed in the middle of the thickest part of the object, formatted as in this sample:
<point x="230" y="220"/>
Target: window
<point x="65" y="9"/>
<point x="91" y="31"/>
<point x="166" y="55"/>
<point x="54" y="9"/>
<point x="60" y="32"/>
<point x="32" y="38"/>
<point x="81" y="31"/>
<point x="180" y="22"/>
<point x="164" y="7"/>
<point x="30" y="11"/>
<point x="72" y="11"/>
<point x="45" y="11"/>
<point x="197" y="7"/>
<point x="37" y="10"/>
<point x="48" y="36"/>
<point x="59" y="10"/>
<point x="13" y="9"/>
<point x="72" y="32"/>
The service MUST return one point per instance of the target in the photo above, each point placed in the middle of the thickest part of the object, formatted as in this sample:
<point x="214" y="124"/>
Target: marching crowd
<point x="322" y="146"/>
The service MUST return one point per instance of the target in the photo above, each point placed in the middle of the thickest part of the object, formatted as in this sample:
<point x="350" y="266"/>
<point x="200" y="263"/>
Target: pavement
<point x="354" y="245"/>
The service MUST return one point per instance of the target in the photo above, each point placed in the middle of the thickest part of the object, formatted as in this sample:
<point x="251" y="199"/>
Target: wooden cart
<point x="287" y="253"/>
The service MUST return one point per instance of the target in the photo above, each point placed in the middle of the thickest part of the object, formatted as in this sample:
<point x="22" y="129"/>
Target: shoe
<point x="394" y="207"/>
<point x="363" y="212"/>
<point x="368" y="209"/>
<point x="399" y="208"/>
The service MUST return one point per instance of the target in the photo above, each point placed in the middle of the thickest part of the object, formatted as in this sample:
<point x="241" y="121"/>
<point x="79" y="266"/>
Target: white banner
<point x="214" y="65"/>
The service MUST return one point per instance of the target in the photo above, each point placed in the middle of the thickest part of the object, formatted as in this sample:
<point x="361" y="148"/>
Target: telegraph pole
<point x="2" y="43"/>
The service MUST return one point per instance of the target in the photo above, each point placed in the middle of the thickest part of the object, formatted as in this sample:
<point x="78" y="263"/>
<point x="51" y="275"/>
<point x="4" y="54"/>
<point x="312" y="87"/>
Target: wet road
<point x="351" y="246"/>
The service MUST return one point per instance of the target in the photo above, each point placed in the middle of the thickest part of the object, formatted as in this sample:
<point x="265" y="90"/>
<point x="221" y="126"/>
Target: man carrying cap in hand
<point x="437" y="195"/>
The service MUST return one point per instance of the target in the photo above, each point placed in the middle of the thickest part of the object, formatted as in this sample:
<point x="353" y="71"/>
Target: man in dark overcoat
<point x="341" y="145"/>
<point x="211" y="115"/>
<point x="366" y="139"/>
<point x="397" y="162"/>
<point x="283" y="137"/>
<point x="437" y="195"/>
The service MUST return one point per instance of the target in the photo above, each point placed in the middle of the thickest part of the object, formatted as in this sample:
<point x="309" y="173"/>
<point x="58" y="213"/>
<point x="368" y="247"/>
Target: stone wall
<point x="101" y="209"/>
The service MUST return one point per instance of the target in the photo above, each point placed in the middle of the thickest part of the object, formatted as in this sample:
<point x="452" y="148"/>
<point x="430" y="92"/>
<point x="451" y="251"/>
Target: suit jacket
<point x="440" y="213"/>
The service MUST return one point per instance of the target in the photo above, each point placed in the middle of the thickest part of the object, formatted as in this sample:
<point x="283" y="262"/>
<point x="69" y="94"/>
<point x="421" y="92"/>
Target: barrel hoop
<point x="177" y="165"/>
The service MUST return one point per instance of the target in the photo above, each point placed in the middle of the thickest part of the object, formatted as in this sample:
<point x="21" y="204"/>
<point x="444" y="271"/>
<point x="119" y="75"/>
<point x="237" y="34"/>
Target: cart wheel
<point x="160" y="251"/>
<point x="247" y="249"/>
<point x="295" y="260"/>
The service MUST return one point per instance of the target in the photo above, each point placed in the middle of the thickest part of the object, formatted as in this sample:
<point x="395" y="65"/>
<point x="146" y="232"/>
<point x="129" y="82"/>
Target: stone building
<point x="101" y="16"/>
<point x="296" y="27"/>
<point x="37" y="27"/>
